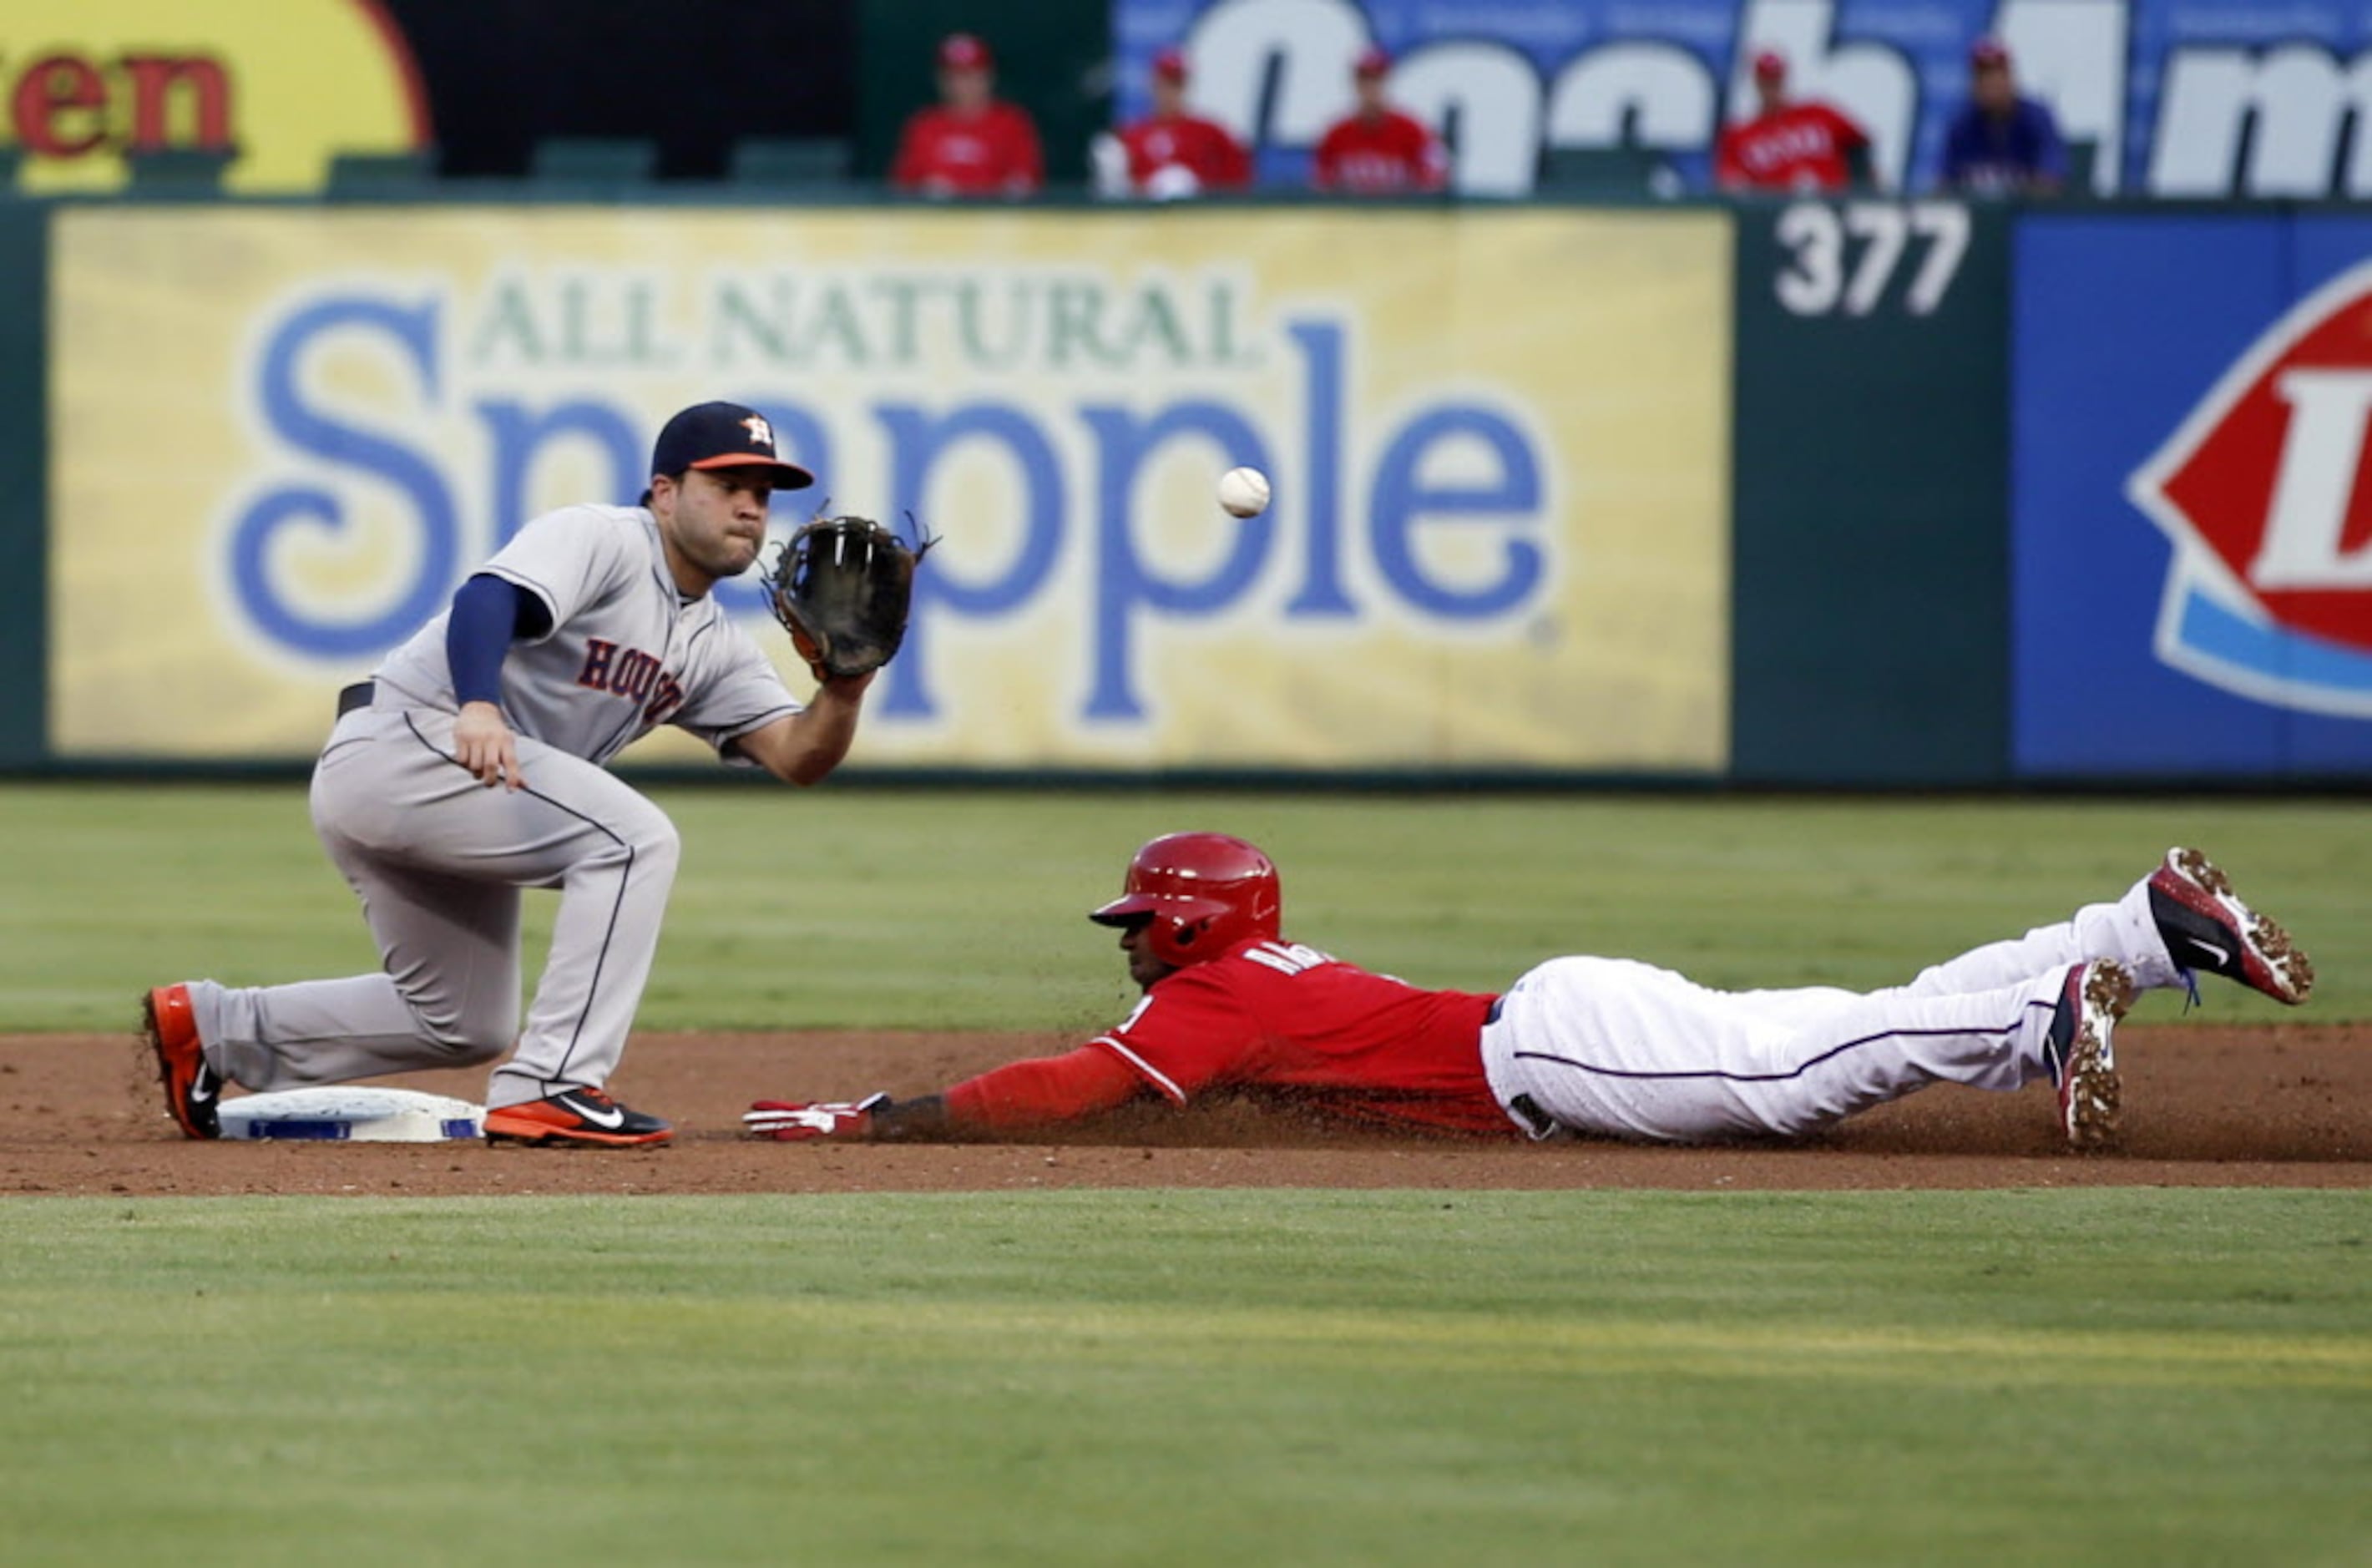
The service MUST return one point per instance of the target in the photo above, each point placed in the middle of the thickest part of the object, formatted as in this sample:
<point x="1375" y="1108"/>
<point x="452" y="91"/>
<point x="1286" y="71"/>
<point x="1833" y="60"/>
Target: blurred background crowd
<point x="835" y="99"/>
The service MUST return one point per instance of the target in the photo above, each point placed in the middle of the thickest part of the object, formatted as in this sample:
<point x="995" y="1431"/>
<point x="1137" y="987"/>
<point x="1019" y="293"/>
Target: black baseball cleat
<point x="583" y="1117"/>
<point x="2080" y="1054"/>
<point x="2207" y="928"/>
<point x="192" y="1089"/>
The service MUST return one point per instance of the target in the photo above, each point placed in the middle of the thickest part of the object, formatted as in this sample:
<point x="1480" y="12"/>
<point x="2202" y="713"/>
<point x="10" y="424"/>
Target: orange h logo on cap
<point x="760" y="433"/>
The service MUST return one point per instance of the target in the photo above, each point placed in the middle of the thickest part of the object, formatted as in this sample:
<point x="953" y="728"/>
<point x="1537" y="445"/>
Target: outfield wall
<point x="2193" y="502"/>
<point x="1866" y="494"/>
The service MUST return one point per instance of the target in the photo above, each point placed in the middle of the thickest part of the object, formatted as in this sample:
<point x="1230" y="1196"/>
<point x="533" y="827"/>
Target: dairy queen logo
<point x="2263" y="493"/>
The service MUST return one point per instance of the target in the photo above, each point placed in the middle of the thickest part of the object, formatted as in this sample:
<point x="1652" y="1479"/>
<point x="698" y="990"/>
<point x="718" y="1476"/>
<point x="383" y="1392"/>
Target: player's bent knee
<point x="644" y="844"/>
<point x="656" y="847"/>
<point x="468" y="1043"/>
<point x="475" y="1048"/>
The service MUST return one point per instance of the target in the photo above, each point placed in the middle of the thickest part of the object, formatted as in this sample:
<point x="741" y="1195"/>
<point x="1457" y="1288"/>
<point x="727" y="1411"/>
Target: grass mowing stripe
<point x="1508" y="1343"/>
<point x="2112" y="1376"/>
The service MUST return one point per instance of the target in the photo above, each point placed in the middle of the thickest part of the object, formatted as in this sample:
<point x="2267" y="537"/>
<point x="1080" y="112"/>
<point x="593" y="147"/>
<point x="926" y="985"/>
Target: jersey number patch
<point x="1286" y="958"/>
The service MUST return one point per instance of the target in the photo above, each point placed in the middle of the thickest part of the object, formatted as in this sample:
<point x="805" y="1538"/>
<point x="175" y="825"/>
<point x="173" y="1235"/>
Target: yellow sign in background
<point x="286" y="84"/>
<point x="1498" y="440"/>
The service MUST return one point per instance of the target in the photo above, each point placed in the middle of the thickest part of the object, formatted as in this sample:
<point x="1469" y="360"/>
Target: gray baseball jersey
<point x="439" y="859"/>
<point x="625" y="653"/>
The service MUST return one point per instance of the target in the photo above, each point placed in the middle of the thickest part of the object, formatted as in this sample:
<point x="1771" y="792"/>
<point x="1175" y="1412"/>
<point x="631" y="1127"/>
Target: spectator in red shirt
<point x="1596" y="1047"/>
<point x="1173" y="152"/>
<point x="1377" y="150"/>
<point x="971" y="144"/>
<point x="1790" y="145"/>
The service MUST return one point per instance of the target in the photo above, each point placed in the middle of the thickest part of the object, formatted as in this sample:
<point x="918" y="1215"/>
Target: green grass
<point x="2079" y="1377"/>
<point x="847" y="908"/>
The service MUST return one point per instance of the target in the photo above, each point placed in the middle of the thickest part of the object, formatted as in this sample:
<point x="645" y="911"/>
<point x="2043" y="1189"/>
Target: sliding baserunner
<point x="1583" y="1046"/>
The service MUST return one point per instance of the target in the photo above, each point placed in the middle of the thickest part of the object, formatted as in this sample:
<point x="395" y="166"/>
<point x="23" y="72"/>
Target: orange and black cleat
<point x="582" y="1117"/>
<point x="192" y="1089"/>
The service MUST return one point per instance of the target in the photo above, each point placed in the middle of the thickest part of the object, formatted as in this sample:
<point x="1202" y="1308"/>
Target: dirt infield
<point x="2289" y="1106"/>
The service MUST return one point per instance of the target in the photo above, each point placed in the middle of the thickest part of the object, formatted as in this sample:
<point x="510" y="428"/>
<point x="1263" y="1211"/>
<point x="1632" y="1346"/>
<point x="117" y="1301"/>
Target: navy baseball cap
<point x="723" y="435"/>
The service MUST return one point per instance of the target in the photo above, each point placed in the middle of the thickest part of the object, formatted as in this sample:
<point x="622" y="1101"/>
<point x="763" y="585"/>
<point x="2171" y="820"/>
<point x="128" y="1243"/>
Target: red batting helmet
<point x="1201" y="892"/>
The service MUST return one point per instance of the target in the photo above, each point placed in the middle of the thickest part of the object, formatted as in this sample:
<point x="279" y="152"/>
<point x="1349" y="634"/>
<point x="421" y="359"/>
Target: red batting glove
<point x="792" y="1122"/>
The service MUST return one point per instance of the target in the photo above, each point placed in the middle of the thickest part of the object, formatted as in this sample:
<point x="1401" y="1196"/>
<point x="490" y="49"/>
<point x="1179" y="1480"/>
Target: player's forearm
<point x="806" y="748"/>
<point x="1016" y="1097"/>
<point x="922" y="1118"/>
<point x="1042" y="1092"/>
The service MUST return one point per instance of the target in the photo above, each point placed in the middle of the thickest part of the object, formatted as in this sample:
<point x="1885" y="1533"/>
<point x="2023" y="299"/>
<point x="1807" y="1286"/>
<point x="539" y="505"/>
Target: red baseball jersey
<point x="1206" y="147"/>
<point x="1389" y="152"/>
<point x="994" y="153"/>
<point x="1799" y="147"/>
<point x="1277" y="1014"/>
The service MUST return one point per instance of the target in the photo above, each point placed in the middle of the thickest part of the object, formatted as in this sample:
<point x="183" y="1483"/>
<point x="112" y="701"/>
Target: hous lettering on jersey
<point x="631" y="674"/>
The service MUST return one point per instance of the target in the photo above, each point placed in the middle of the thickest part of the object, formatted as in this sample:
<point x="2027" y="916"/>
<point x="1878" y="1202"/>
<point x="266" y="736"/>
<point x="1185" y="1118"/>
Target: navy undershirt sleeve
<point x="488" y="612"/>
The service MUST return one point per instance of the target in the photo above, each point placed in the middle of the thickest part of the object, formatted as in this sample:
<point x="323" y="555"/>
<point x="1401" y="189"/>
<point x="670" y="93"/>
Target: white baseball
<point x="1244" y="492"/>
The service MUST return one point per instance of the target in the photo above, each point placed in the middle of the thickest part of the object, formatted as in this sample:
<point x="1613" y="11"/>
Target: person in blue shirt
<point x="2001" y="144"/>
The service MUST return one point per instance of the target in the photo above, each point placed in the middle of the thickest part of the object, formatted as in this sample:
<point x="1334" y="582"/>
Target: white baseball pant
<point x="1614" y="1048"/>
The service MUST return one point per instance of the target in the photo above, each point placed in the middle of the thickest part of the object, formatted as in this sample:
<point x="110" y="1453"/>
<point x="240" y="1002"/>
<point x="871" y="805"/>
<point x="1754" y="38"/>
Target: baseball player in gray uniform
<point x="470" y="765"/>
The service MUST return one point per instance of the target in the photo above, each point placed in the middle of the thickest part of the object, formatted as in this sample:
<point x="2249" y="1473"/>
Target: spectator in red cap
<point x="2001" y="144"/>
<point x="971" y="143"/>
<point x="1377" y="150"/>
<point x="1790" y="143"/>
<point x="1173" y="152"/>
